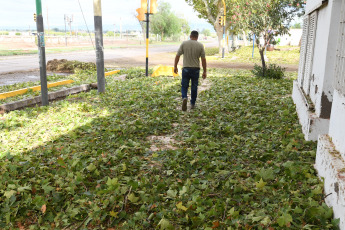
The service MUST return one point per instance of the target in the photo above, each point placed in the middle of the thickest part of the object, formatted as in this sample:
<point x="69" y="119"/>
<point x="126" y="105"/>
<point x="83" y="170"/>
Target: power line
<point x="81" y="9"/>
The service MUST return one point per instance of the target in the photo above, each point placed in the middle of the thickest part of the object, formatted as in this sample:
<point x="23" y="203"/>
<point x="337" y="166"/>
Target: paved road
<point x="15" y="64"/>
<point x="30" y="62"/>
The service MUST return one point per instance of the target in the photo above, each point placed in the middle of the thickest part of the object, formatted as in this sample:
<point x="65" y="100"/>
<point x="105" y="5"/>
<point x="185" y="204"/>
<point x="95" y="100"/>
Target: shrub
<point x="210" y="51"/>
<point x="18" y="34"/>
<point x="273" y="71"/>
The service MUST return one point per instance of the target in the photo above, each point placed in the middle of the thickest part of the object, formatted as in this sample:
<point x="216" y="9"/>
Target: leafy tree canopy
<point x="166" y="23"/>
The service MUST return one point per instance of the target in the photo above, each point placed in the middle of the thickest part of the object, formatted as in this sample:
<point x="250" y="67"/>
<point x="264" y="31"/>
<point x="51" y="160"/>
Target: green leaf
<point x="261" y="184"/>
<point x="91" y="167"/>
<point x="284" y="219"/>
<point x="172" y="193"/>
<point x="164" y="224"/>
<point x="112" y="182"/>
<point x="132" y="198"/>
<point x="180" y="206"/>
<point x="24" y="188"/>
<point x="9" y="194"/>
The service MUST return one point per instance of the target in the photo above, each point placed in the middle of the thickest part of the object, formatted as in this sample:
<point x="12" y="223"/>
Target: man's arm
<point x="204" y="66"/>
<point x="177" y="59"/>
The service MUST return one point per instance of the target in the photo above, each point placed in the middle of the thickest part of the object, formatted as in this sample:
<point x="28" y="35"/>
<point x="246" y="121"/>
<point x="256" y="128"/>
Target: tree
<point x="269" y="18"/>
<point x="296" y="26"/>
<point x="211" y="10"/>
<point x="185" y="28"/>
<point x="166" y="23"/>
<point x="206" y="32"/>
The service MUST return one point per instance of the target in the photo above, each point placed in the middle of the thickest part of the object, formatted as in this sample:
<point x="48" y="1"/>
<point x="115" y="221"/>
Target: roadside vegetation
<point x="284" y="55"/>
<point x="130" y="159"/>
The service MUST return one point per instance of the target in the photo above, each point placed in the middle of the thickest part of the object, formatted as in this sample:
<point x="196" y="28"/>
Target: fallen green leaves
<point x="239" y="160"/>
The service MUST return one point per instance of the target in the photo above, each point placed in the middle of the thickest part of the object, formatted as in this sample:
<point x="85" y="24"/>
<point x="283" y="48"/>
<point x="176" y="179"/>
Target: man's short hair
<point x="194" y="34"/>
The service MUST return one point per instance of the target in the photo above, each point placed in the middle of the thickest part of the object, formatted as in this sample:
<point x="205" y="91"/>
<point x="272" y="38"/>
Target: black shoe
<point x="192" y="106"/>
<point x="184" y="104"/>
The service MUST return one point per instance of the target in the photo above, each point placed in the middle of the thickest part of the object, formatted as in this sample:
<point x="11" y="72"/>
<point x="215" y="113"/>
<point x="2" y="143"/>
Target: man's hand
<point x="204" y="75"/>
<point x="176" y="70"/>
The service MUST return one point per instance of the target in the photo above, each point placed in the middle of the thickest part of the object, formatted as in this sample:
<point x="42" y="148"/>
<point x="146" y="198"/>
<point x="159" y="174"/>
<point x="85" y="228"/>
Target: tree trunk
<point x="245" y="38"/>
<point x="143" y="29"/>
<point x="262" y="55"/>
<point x="219" y="29"/>
<point x="234" y="41"/>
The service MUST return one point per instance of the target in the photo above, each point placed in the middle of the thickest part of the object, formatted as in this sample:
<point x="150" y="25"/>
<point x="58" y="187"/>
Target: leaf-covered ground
<point x="130" y="159"/>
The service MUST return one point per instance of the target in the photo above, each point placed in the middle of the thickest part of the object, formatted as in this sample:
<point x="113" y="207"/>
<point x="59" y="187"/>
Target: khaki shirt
<point x="192" y="51"/>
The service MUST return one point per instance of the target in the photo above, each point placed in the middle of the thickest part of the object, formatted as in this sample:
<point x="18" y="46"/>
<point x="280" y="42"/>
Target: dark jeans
<point x="190" y="74"/>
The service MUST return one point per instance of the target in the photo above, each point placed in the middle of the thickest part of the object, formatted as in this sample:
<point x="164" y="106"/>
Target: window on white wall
<point x="307" y="51"/>
<point x="339" y="83"/>
<point x="310" y="52"/>
<point x="304" y="43"/>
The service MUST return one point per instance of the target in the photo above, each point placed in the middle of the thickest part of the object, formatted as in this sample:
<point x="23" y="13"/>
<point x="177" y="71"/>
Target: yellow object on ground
<point x="35" y="88"/>
<point x="111" y="73"/>
<point x="161" y="70"/>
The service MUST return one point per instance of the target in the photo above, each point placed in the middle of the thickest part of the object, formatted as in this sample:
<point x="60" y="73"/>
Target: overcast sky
<point x="19" y="13"/>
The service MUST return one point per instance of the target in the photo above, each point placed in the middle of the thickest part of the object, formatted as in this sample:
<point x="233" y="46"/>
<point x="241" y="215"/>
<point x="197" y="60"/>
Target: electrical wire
<point x="81" y="9"/>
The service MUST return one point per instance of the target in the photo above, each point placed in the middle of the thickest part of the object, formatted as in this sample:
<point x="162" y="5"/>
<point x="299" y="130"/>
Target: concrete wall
<point x="337" y="124"/>
<point x="321" y="89"/>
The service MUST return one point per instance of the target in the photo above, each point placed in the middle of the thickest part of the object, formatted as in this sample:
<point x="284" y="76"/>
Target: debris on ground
<point x="65" y="66"/>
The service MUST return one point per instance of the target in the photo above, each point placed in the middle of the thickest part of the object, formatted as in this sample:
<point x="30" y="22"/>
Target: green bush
<point x="210" y="51"/>
<point x="273" y="71"/>
<point x="4" y="33"/>
<point x="18" y="34"/>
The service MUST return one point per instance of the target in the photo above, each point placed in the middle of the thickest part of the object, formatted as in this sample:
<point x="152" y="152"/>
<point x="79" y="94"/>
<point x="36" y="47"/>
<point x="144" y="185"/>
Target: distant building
<point x="292" y="39"/>
<point x="319" y="94"/>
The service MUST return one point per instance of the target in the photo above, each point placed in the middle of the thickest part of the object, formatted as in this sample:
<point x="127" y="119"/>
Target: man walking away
<point x="192" y="51"/>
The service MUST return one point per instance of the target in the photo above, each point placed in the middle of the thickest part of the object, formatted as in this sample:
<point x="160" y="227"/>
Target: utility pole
<point x="147" y="39"/>
<point x="42" y="53"/>
<point x="120" y="28"/>
<point x="70" y="20"/>
<point x="65" y="19"/>
<point x="224" y="22"/>
<point x="147" y="7"/>
<point x="114" y="31"/>
<point x="99" y="45"/>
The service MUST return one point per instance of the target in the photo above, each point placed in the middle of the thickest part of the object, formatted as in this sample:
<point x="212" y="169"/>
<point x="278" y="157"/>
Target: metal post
<point x="253" y="45"/>
<point x="99" y="45"/>
<point x="147" y="42"/>
<point x="224" y="20"/>
<point x="42" y="53"/>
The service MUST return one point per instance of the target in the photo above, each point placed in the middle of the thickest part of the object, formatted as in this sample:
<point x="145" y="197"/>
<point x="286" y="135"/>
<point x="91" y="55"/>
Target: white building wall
<point x="321" y="89"/>
<point x="292" y="39"/>
<point x="337" y="125"/>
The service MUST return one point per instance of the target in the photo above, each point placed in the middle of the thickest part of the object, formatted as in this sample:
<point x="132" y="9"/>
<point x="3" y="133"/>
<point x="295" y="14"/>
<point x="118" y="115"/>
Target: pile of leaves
<point x="66" y="66"/>
<point x="239" y="161"/>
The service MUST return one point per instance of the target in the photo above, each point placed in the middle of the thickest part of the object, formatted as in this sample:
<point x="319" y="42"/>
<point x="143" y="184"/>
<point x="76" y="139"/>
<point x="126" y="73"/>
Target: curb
<point x="51" y="96"/>
<point x="34" y="88"/>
